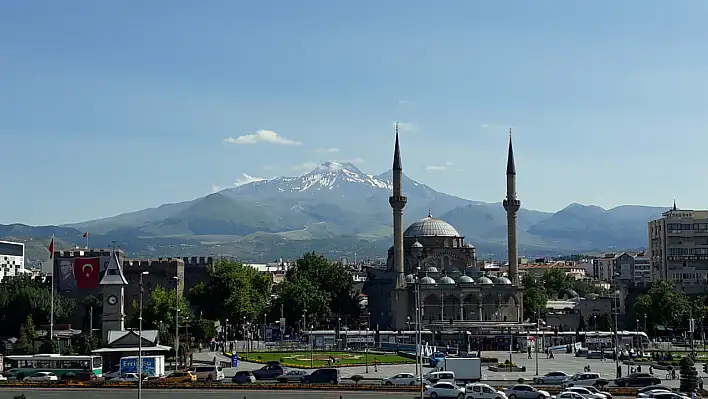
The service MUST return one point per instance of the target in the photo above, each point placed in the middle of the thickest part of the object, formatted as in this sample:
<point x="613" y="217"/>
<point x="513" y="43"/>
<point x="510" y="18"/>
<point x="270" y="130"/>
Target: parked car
<point x="243" y="377"/>
<point x="42" y="376"/>
<point x="292" y="376"/>
<point x="322" y="376"/>
<point x="80" y="376"/>
<point x="483" y="391"/>
<point x="3" y="378"/>
<point x="524" y="391"/>
<point x="128" y="377"/>
<point x="583" y="379"/>
<point x="402" y="379"/>
<point x="586" y="393"/>
<point x="637" y="380"/>
<point x="568" y="395"/>
<point x="552" y="378"/>
<point x="648" y="391"/>
<point x="444" y="390"/>
<point x="269" y="372"/>
<point x="180" y="376"/>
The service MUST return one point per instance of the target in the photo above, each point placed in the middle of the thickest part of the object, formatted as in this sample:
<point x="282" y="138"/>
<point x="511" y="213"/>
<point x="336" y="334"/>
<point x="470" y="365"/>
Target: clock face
<point x="112" y="300"/>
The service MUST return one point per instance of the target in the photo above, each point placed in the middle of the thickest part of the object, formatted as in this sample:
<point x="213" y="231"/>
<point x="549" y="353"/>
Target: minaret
<point x="512" y="205"/>
<point x="398" y="202"/>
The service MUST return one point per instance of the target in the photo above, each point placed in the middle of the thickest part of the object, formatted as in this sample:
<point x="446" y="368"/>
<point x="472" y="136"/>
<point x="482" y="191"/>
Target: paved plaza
<point x="562" y="362"/>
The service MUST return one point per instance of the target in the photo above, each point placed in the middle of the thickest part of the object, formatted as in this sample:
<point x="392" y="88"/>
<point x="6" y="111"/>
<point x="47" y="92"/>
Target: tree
<point x="584" y="288"/>
<point x="688" y="374"/>
<point x="25" y="340"/>
<point x="556" y="282"/>
<point x="233" y="291"/>
<point x="605" y="322"/>
<point x="22" y="296"/>
<point x="86" y="343"/>
<point x="160" y="309"/>
<point x="203" y="330"/>
<point x="298" y="295"/>
<point x="535" y="297"/>
<point x="663" y="305"/>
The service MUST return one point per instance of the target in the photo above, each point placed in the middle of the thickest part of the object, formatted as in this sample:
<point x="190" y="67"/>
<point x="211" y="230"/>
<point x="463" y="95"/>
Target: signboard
<point x="282" y="324"/>
<point x="130" y="365"/>
<point x="598" y="340"/>
<point x="234" y="360"/>
<point x="360" y="339"/>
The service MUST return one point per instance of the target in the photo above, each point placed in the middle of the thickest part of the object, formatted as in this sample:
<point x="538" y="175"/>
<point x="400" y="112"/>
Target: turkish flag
<point x="86" y="271"/>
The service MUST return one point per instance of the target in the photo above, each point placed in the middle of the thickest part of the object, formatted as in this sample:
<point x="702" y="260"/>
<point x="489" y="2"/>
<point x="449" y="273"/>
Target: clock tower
<point x="112" y="287"/>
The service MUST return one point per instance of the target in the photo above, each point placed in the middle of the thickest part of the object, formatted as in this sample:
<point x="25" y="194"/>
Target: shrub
<point x="356" y="378"/>
<point x="489" y="360"/>
<point x="520" y="380"/>
<point x="689" y="375"/>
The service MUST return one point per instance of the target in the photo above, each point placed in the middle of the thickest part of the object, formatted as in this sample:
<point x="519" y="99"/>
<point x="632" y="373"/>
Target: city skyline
<point x="168" y="107"/>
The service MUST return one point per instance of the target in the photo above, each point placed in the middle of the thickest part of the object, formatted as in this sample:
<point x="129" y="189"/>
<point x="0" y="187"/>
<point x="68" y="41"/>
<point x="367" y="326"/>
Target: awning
<point x="156" y="348"/>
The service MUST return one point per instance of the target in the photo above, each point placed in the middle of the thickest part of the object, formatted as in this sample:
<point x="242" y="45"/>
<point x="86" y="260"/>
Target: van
<point x="208" y="372"/>
<point x="322" y="376"/>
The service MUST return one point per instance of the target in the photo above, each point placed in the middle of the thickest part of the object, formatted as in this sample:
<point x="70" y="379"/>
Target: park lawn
<point x="319" y="359"/>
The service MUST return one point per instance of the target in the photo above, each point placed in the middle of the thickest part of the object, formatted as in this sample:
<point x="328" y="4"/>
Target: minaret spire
<point x="398" y="202"/>
<point x="512" y="205"/>
<point x="397" y="153"/>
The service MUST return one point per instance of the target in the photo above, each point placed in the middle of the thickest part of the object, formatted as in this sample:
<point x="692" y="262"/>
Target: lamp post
<point x="176" y="321"/>
<point x="366" y="349"/>
<point x="140" y="338"/>
<point x="616" y="312"/>
<point x="535" y="340"/>
<point x="312" y="347"/>
<point x="226" y="330"/>
<point x="265" y="320"/>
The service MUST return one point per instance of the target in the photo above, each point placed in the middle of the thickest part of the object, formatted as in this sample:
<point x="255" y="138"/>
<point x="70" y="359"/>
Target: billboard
<point x="129" y="365"/>
<point x="65" y="272"/>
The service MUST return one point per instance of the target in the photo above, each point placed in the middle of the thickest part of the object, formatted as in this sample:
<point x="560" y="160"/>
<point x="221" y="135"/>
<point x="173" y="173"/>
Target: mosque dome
<point x="410" y="278"/>
<point x="446" y="281"/>
<point x="485" y="281"/>
<point x="432" y="269"/>
<point x="430" y="227"/>
<point x="468" y="245"/>
<point x="427" y="280"/>
<point x="465" y="279"/>
<point x="503" y="281"/>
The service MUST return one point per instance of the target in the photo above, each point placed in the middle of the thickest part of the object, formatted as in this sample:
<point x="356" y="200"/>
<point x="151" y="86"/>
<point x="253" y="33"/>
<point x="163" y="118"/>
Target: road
<point x="562" y="362"/>
<point x="10" y="393"/>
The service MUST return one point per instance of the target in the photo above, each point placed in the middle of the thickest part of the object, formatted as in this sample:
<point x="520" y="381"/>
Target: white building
<point x="12" y="259"/>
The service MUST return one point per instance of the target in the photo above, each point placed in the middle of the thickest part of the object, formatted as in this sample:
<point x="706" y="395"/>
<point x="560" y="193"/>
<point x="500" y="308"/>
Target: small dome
<point x="431" y="227"/>
<point x="484" y="280"/>
<point x="410" y="278"/>
<point x="503" y="281"/>
<point x="432" y="269"/>
<point x="465" y="280"/>
<point x="417" y="245"/>
<point x="446" y="281"/>
<point x="468" y="245"/>
<point x="427" y="280"/>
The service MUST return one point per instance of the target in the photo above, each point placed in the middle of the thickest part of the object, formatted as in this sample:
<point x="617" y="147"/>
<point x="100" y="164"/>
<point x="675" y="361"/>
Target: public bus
<point x="21" y="366"/>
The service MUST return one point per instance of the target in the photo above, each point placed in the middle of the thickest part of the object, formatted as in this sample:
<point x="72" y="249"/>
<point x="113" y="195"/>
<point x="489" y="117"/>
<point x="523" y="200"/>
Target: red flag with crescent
<point x="86" y="271"/>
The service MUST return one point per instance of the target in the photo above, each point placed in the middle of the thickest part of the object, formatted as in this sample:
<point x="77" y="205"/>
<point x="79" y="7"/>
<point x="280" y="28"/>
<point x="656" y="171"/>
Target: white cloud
<point x="306" y="166"/>
<point x="406" y="127"/>
<point x="404" y="102"/>
<point x="438" y="168"/>
<point x="331" y="150"/>
<point x="353" y="160"/>
<point x="262" y="136"/>
<point x="245" y="179"/>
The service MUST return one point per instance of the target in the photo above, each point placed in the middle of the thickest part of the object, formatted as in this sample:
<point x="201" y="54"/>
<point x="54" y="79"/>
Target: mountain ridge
<point x="338" y="202"/>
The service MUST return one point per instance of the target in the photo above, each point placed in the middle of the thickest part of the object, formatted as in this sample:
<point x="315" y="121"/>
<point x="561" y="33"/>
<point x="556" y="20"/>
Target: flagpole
<point x="51" y="312"/>
<point x="87" y="237"/>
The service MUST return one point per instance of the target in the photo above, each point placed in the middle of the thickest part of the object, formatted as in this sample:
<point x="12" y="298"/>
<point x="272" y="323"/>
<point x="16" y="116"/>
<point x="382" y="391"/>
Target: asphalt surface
<point x="10" y="393"/>
<point x="562" y="362"/>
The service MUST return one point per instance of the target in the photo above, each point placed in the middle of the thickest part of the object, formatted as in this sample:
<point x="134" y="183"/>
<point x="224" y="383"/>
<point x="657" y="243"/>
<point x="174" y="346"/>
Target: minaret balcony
<point x="397" y="199"/>
<point x="511" y="203"/>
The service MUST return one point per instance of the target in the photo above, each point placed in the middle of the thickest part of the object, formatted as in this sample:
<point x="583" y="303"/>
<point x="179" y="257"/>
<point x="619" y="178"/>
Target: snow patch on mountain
<point x="327" y="176"/>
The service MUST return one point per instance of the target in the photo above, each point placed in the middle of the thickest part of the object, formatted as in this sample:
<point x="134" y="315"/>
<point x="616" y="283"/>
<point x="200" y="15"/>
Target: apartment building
<point x="12" y="259"/>
<point x="678" y="248"/>
<point x="603" y="268"/>
<point x="625" y="268"/>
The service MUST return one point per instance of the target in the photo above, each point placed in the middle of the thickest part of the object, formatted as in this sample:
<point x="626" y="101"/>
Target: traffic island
<point x="507" y="367"/>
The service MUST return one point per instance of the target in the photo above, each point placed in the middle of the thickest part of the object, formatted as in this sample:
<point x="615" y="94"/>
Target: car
<point x="292" y="376"/>
<point x="322" y="376"/>
<point x="128" y="377"/>
<point x="482" y="391"/>
<point x="79" y="376"/>
<point x="586" y="393"/>
<point x="42" y="376"/>
<point x="243" y="377"/>
<point x="444" y="390"/>
<point x="439" y="376"/>
<point x="637" y="380"/>
<point x="583" y="379"/>
<point x="647" y="391"/>
<point x="524" y="391"/>
<point x="3" y="378"/>
<point x="552" y="378"/>
<point x="668" y="395"/>
<point x="180" y="376"/>
<point x="595" y="390"/>
<point x="568" y="395"/>
<point x="402" y="379"/>
<point x="269" y="372"/>
<point x="208" y="372"/>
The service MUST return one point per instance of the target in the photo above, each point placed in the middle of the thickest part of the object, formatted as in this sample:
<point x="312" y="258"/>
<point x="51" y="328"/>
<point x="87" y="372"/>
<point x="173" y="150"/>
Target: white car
<point x="439" y="376"/>
<point x="525" y="391"/>
<point x="3" y="378"/>
<point x="586" y="393"/>
<point x="42" y="376"/>
<point x="567" y="395"/>
<point x="128" y="377"/>
<point x="668" y="395"/>
<point x="552" y="378"/>
<point x="483" y="391"/>
<point x="650" y="393"/>
<point x="581" y="379"/>
<point x="402" y="379"/>
<point x="444" y="390"/>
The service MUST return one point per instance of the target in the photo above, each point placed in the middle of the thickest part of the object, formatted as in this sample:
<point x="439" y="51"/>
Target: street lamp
<point x="140" y="338"/>
<point x="366" y="349"/>
<point x="226" y="330"/>
<point x="176" y="321"/>
<point x="312" y="346"/>
<point x="264" y="327"/>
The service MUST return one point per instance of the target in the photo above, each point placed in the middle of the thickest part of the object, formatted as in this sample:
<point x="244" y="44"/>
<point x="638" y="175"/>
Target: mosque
<point x="431" y="257"/>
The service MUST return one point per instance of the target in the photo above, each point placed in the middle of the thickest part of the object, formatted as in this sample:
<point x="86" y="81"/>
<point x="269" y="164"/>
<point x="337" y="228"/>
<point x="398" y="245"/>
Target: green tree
<point x="605" y="322"/>
<point x="663" y="305"/>
<point x="86" y="343"/>
<point x="298" y="295"/>
<point x="25" y="339"/>
<point x="22" y="296"/>
<point x="233" y="291"/>
<point x="203" y="330"/>
<point x="535" y="297"/>
<point x="556" y="282"/>
<point x="160" y="309"/>
<point x="584" y="288"/>
<point x="688" y="375"/>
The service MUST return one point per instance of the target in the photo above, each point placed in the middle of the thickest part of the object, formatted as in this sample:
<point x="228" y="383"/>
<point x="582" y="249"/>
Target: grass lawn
<point x="319" y="359"/>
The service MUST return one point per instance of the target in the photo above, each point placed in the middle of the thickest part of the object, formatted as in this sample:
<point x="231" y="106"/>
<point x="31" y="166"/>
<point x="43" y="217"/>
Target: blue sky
<point x="110" y="107"/>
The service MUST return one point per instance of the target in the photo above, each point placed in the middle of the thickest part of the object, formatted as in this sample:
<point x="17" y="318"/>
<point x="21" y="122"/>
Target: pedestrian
<point x="529" y="351"/>
<point x="551" y="353"/>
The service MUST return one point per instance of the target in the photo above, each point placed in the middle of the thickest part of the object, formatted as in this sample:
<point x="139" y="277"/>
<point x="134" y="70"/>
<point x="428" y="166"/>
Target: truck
<point x="466" y="369"/>
<point x="153" y="366"/>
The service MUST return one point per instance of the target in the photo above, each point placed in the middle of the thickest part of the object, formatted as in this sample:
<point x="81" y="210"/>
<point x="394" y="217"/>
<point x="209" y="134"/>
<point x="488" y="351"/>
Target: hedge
<point x="205" y="385"/>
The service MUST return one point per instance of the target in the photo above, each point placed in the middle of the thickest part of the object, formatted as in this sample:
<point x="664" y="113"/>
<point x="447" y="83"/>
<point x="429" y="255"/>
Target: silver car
<point x="552" y="378"/>
<point x="523" y="391"/>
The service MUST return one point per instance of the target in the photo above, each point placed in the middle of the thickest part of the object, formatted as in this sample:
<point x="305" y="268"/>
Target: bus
<point x="21" y="366"/>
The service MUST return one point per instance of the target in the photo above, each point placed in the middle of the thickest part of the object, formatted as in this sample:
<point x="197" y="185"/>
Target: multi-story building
<point x="678" y="248"/>
<point x="12" y="259"/>
<point x="642" y="269"/>
<point x="604" y="268"/>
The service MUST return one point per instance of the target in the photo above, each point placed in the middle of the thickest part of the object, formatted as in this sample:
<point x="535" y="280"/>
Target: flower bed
<point x="321" y="361"/>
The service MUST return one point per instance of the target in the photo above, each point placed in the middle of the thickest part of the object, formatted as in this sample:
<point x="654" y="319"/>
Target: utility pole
<point x="282" y="326"/>
<point x="691" y="328"/>
<point x="91" y="321"/>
